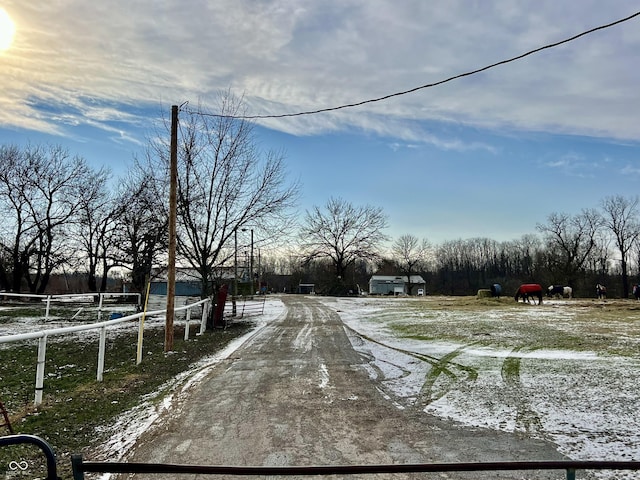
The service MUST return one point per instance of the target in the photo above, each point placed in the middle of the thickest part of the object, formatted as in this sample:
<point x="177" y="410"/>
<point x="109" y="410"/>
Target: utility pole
<point x="235" y="272"/>
<point x="171" y="270"/>
<point x="253" y="290"/>
<point x="259" y="273"/>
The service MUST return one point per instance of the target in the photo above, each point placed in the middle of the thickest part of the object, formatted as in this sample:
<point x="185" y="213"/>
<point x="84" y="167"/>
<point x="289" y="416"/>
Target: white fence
<point x="102" y="326"/>
<point x="87" y="297"/>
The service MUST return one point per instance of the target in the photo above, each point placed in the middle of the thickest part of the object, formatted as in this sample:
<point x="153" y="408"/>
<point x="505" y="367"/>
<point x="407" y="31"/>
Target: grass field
<point x="566" y="370"/>
<point x="76" y="407"/>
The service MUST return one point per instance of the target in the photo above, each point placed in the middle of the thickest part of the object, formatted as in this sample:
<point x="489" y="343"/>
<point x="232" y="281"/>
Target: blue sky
<point x="489" y="155"/>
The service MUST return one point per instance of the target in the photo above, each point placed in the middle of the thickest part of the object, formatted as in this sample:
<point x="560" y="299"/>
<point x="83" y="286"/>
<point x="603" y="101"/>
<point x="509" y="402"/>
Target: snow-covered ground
<point x="585" y="402"/>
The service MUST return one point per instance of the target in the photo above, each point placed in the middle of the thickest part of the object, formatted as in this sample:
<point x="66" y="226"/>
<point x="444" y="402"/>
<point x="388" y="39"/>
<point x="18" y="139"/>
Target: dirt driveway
<point x="297" y="393"/>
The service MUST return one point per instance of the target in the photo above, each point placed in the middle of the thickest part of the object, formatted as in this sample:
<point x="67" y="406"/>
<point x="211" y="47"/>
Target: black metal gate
<point x="80" y="467"/>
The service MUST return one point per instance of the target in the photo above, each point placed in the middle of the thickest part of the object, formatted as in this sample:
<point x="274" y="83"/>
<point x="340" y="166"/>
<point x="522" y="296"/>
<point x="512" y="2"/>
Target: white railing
<point x="102" y="326"/>
<point x="245" y="306"/>
<point x="77" y="296"/>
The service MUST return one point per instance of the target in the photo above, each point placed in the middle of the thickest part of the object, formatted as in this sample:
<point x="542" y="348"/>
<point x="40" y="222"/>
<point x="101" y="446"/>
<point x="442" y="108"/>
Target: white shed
<point x="395" y="284"/>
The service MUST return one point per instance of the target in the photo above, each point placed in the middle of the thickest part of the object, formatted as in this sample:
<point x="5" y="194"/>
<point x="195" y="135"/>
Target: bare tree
<point x="41" y="191"/>
<point x="528" y="248"/>
<point x="600" y="257"/>
<point x="621" y="218"/>
<point x="410" y="255"/>
<point x="342" y="233"/>
<point x="96" y="226"/>
<point x="225" y="183"/>
<point x="636" y="255"/>
<point x="141" y="235"/>
<point x="570" y="241"/>
<point x="18" y="232"/>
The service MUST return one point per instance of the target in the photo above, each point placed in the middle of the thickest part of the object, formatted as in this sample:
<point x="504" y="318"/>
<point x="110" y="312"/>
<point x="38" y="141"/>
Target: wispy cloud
<point x="571" y="165"/>
<point x="293" y="55"/>
<point x="630" y="170"/>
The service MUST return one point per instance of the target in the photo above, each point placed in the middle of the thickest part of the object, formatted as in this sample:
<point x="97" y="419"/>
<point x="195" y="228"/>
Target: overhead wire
<point x="428" y="85"/>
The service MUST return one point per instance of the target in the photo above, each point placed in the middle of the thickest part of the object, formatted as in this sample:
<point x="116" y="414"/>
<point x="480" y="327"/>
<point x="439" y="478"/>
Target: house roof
<point x="396" y="278"/>
<point x="188" y="274"/>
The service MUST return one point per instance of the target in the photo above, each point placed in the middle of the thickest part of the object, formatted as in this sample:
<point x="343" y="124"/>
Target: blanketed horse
<point x="601" y="291"/>
<point x="555" y="290"/>
<point x="529" y="290"/>
<point x="560" y="291"/>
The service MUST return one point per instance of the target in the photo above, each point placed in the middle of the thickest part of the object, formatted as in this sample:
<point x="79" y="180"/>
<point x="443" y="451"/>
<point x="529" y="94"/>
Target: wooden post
<point x="235" y="272"/>
<point x="171" y="270"/>
<point x="253" y="289"/>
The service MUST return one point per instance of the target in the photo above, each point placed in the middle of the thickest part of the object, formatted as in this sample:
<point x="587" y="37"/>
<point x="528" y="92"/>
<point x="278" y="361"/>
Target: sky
<point x="486" y="155"/>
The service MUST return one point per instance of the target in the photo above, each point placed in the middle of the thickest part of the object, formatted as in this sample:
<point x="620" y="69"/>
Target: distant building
<point x="306" y="288"/>
<point x="396" y="285"/>
<point x="188" y="283"/>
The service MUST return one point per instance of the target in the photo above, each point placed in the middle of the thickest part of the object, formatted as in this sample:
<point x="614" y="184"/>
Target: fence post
<point x="76" y="466"/>
<point x="100" y="307"/>
<point x="101" y="349"/>
<point x="186" y="327"/>
<point x="140" y="338"/>
<point x="205" y="315"/>
<point x="46" y="314"/>
<point x="42" y="354"/>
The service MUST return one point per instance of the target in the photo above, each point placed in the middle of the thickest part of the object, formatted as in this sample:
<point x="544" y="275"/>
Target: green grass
<point x="74" y="403"/>
<point x="611" y="327"/>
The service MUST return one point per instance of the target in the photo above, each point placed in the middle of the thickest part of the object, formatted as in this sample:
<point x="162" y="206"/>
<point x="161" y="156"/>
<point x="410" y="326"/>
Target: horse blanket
<point x="559" y="291"/>
<point x="529" y="290"/>
<point x="555" y="290"/>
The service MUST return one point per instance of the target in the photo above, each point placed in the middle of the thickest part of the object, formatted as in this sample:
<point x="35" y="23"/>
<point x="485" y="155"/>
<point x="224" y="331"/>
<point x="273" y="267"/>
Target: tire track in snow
<point x="526" y="419"/>
<point x="427" y="392"/>
<point x="439" y="366"/>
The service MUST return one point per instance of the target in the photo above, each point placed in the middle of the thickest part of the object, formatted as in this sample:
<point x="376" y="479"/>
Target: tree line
<point x="61" y="215"/>
<point x="597" y="245"/>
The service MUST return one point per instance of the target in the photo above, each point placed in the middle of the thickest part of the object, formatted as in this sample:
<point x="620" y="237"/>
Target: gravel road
<point x="296" y="393"/>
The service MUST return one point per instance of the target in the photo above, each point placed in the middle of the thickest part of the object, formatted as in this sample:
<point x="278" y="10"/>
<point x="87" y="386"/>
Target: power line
<point x="428" y="85"/>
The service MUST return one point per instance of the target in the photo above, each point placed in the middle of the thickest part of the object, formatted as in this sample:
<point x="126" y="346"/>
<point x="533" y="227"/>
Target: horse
<point x="529" y="290"/>
<point x="555" y="290"/>
<point x="601" y="291"/>
<point x="636" y="292"/>
<point x="559" y="291"/>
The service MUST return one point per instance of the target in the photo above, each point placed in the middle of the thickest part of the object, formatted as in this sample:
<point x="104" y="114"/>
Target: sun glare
<point x="7" y="30"/>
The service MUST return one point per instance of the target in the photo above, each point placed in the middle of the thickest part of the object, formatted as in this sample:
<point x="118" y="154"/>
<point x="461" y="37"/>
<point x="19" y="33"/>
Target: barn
<point x="395" y="285"/>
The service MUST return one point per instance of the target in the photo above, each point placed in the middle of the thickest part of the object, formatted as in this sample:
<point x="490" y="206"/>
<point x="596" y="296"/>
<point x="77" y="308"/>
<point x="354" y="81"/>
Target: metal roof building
<point x="395" y="285"/>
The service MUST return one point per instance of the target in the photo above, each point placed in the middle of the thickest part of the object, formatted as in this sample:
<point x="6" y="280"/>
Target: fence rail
<point x="570" y="467"/>
<point x="42" y="336"/>
<point x="80" y="467"/>
<point x="245" y="306"/>
<point x="48" y="299"/>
